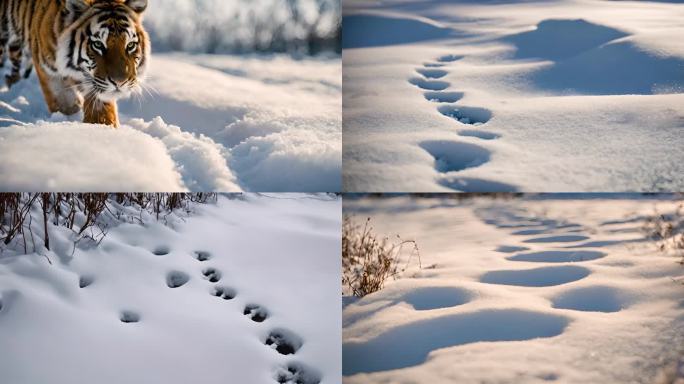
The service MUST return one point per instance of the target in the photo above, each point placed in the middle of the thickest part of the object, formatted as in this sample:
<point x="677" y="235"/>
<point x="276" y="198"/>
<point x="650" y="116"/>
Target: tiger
<point x="87" y="54"/>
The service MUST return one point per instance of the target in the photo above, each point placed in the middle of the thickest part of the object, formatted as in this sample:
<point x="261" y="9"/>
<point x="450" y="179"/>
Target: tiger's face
<point x="106" y="48"/>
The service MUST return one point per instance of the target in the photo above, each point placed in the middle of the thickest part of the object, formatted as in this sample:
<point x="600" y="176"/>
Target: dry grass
<point x="369" y="260"/>
<point x="87" y="214"/>
<point x="667" y="230"/>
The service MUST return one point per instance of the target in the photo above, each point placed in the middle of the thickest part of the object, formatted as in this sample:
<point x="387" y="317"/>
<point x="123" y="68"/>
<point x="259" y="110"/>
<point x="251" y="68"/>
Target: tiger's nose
<point x="117" y="81"/>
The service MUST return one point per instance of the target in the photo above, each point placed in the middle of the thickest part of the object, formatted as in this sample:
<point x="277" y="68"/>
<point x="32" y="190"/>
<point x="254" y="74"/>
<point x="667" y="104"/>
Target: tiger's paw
<point x="70" y="110"/>
<point x="12" y="79"/>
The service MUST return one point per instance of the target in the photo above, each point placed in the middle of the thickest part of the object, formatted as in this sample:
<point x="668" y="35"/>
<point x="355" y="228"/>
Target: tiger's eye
<point x="97" y="45"/>
<point x="131" y="46"/>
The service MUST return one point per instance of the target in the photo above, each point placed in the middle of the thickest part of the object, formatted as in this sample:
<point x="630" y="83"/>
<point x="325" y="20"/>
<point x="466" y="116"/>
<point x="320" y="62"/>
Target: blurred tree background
<point x="304" y="27"/>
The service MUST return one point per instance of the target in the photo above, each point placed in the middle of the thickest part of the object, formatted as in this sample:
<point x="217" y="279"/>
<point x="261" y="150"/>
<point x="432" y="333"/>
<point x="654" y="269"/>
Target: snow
<point x="73" y="144"/>
<point x="491" y="306"/>
<point x="221" y="122"/>
<point x="142" y="307"/>
<point x="555" y="96"/>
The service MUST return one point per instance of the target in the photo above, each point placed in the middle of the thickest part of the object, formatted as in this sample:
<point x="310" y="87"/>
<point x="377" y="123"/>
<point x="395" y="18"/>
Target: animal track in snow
<point x="202" y="255"/>
<point x="226" y="293"/>
<point x="592" y="299"/>
<point x="427" y="298"/>
<point x="604" y="243"/>
<point x="466" y="115"/>
<point x="536" y="277"/>
<point x="510" y="249"/>
<point x="255" y="312"/>
<point x="297" y="373"/>
<point x="432" y="73"/>
<point x="429" y="85"/>
<point x="85" y="280"/>
<point x="175" y="279"/>
<point x="507" y="218"/>
<point x="449" y="58"/>
<point x="443" y="96"/>
<point x="451" y="156"/>
<point x="456" y="156"/>
<point x="519" y="219"/>
<point x="557" y="256"/>
<point x="161" y="250"/>
<point x="284" y="341"/>
<point x="388" y="351"/>
<point x="529" y="232"/>
<point x="129" y="317"/>
<point x="212" y="275"/>
<point x="557" y="239"/>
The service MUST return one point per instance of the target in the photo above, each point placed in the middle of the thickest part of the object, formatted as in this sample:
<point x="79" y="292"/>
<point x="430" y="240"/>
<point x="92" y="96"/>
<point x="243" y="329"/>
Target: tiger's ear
<point x="77" y="6"/>
<point x="137" y="5"/>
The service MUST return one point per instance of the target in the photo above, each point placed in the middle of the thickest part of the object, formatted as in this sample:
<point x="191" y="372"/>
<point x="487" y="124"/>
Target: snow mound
<point x="75" y="157"/>
<point x="203" y="165"/>
<point x="617" y="68"/>
<point x="555" y="39"/>
<point x="296" y="162"/>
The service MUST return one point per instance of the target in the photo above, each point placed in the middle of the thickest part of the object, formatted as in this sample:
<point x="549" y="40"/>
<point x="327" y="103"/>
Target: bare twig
<point x="367" y="261"/>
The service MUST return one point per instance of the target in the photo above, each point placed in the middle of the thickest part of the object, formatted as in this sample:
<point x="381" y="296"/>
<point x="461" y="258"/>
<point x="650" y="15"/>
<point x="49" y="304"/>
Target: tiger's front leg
<point x="96" y="111"/>
<point x="44" y="80"/>
<point x="60" y="93"/>
<point x="16" y="49"/>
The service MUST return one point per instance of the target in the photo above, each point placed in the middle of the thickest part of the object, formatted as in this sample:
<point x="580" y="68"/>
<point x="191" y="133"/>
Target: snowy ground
<point x="529" y="290"/>
<point x="166" y="303"/>
<point x="557" y="95"/>
<point x="208" y="123"/>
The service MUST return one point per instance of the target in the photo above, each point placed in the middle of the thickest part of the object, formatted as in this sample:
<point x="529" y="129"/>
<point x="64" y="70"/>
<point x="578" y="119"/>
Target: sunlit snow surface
<point x="557" y="95"/>
<point x="594" y="303"/>
<point x="178" y="303"/>
<point x="205" y="123"/>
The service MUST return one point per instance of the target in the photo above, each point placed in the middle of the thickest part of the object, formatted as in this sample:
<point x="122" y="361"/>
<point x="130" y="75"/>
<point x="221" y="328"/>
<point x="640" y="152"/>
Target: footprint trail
<point x="282" y="340"/>
<point x="454" y="156"/>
